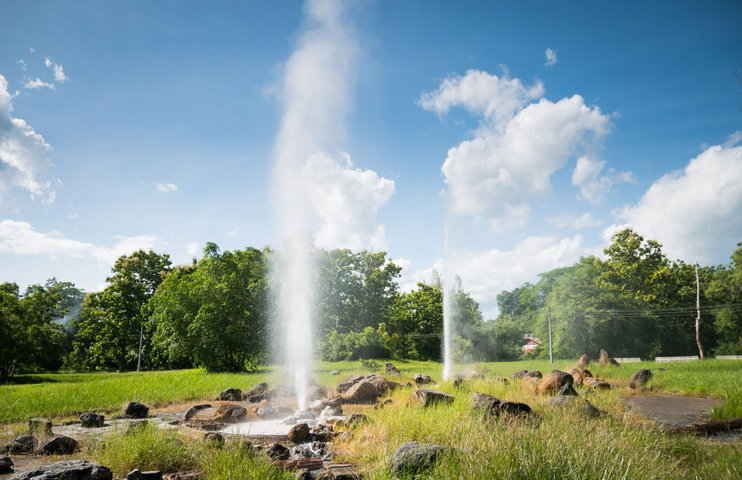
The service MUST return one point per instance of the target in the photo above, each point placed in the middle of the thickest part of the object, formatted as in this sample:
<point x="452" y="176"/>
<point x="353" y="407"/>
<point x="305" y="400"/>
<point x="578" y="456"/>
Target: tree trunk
<point x="698" y="315"/>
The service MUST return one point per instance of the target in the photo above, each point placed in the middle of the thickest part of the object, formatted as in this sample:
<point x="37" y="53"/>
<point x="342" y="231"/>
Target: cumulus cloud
<point x="593" y="183"/>
<point x="551" y="57"/>
<point x="346" y="200"/>
<point x="166" y="187"/>
<point x="574" y="222"/>
<point x="20" y="238"/>
<point x="59" y="75"/>
<point x="518" y="146"/>
<point x="681" y="207"/>
<point x="24" y="155"/>
<point x="37" y="83"/>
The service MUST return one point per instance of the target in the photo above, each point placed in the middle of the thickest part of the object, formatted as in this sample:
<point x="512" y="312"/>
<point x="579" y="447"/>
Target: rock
<point x="593" y="383"/>
<point x="520" y="374"/>
<point x="583" y="361"/>
<point x="361" y="392"/>
<point x="579" y="375"/>
<point x="278" y="452"/>
<point x="355" y="419"/>
<point x="335" y="372"/>
<point x="230" y="413"/>
<point x="331" y="412"/>
<point x="315" y="392"/>
<point x="391" y="369"/>
<point x="91" y="420"/>
<point x="136" y="410"/>
<point x="484" y="402"/>
<point x="230" y="395"/>
<point x="60" y="445"/>
<point x="534" y="374"/>
<point x="591" y="411"/>
<point x="40" y="426"/>
<point x="194" y="410"/>
<point x="567" y="390"/>
<point x="23" y="444"/>
<point x="640" y="378"/>
<point x="429" y="397"/>
<point x="513" y="408"/>
<point x="6" y="465"/>
<point x="299" y="433"/>
<point x="382" y="384"/>
<point x="257" y="390"/>
<point x="138" y="475"/>
<point x="562" y="400"/>
<point x="317" y="405"/>
<point x="553" y="382"/>
<point x="421" y="379"/>
<point x="345" y="386"/>
<point x="214" y="438"/>
<point x="71" y="470"/>
<point x="459" y="382"/>
<point x="320" y="433"/>
<point x="415" y="458"/>
<point x="606" y="360"/>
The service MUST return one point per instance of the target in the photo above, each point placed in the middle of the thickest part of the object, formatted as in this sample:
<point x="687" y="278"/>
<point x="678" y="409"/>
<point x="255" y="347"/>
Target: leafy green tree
<point x="416" y="324"/>
<point x="726" y="289"/>
<point x="11" y="329"/>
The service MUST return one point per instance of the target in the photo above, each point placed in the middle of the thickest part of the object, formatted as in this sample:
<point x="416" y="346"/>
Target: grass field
<point x="558" y="444"/>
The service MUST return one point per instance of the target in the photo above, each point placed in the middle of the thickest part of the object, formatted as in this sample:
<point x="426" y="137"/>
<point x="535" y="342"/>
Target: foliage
<point x="369" y="343"/>
<point x="416" y="323"/>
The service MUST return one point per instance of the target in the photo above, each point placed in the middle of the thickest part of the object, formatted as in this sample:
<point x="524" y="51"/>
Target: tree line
<point x="216" y="312"/>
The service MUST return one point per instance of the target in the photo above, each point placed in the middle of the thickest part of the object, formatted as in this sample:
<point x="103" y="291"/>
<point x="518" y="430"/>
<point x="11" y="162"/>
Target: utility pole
<point x="551" y="352"/>
<point x="698" y="296"/>
<point x="141" y="336"/>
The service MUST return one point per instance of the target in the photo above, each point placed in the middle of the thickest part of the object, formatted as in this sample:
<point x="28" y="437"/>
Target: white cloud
<point x="22" y="63"/>
<point x="166" y="187"/>
<point x="574" y="222"/>
<point x="551" y="57"/>
<point x="24" y="155"/>
<point x="593" y="187"/>
<point x="679" y="208"/>
<point x="192" y="248"/>
<point x="59" y="75"/>
<point x="345" y="201"/>
<point x="37" y="83"/>
<point x="20" y="238"/>
<point x="517" y="148"/>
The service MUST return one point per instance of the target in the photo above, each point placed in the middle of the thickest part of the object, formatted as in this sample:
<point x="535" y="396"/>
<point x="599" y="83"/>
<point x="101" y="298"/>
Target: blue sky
<point x="191" y="96"/>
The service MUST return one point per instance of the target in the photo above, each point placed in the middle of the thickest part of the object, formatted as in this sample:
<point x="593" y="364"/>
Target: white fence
<point x="676" y="359"/>
<point x="729" y="357"/>
<point x="628" y="360"/>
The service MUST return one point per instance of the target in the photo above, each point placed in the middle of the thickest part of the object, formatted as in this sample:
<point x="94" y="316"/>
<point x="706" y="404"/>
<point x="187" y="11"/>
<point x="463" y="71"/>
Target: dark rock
<point x="278" y="452"/>
<point x="230" y="395"/>
<point x="520" y="374"/>
<point x="552" y="383"/>
<point x="214" y="438"/>
<point x="139" y="475"/>
<point x="567" y="389"/>
<point x="640" y="378"/>
<point x="230" y="413"/>
<point x="533" y="374"/>
<point x="92" y="420"/>
<point x="356" y="419"/>
<point x="258" y="393"/>
<point x="136" y="410"/>
<point x="382" y="384"/>
<point x="484" y="402"/>
<point x="429" y="397"/>
<point x="299" y="433"/>
<point x="40" y="426"/>
<point x="415" y="458"/>
<point x="60" y="445"/>
<point x="321" y="433"/>
<point x="421" y="379"/>
<point x="361" y="392"/>
<point x="194" y="410"/>
<point x="391" y="369"/>
<point x="513" y="408"/>
<point x="606" y="360"/>
<point x="583" y="361"/>
<point x="71" y="470"/>
<point x="593" y="383"/>
<point x="6" y="465"/>
<point x="23" y="444"/>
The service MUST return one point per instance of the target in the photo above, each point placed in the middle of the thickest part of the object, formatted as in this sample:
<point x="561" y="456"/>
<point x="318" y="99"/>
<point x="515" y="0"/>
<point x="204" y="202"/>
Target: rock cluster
<point x="71" y="470"/>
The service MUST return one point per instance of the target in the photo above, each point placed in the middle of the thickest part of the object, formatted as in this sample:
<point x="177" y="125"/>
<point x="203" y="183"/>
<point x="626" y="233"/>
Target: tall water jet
<point x="315" y="97"/>
<point x="448" y="306"/>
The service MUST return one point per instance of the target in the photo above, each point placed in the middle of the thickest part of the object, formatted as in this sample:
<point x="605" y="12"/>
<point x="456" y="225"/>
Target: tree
<point x="726" y="289"/>
<point x="416" y="324"/>
<point x="11" y="321"/>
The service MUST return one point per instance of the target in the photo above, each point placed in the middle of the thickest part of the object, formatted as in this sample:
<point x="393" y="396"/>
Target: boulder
<point x="391" y="369"/>
<point x="382" y="384"/>
<point x="6" y="465"/>
<point x="593" y="383"/>
<point x="580" y="375"/>
<point x="513" y="408"/>
<point x="345" y="386"/>
<point x="230" y="395"/>
<point x="568" y="390"/>
<point x="356" y="418"/>
<point x="214" y="438"/>
<point x="606" y="360"/>
<point x="136" y="410"/>
<point x="640" y="378"/>
<point x="136" y="474"/>
<point x="92" y="420"/>
<point x="60" y="445"/>
<point x="552" y="383"/>
<point x="194" y="410"/>
<point x="484" y="402"/>
<point x="583" y="361"/>
<point x="23" y="444"/>
<point x="230" y="413"/>
<point x="315" y="392"/>
<point x="520" y="374"/>
<point x="361" y="392"/>
<point x="257" y="393"/>
<point x="40" y="426"/>
<point x="278" y="452"/>
<point x="534" y="374"/>
<point x="414" y="458"/>
<point x="421" y="379"/>
<point x="71" y="470"/>
<point x="299" y="433"/>
<point x="330" y="411"/>
<point x="320" y="433"/>
<point x="428" y="397"/>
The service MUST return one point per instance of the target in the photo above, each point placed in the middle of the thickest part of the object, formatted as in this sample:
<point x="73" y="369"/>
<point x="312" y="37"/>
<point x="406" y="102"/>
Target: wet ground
<point x="673" y="411"/>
